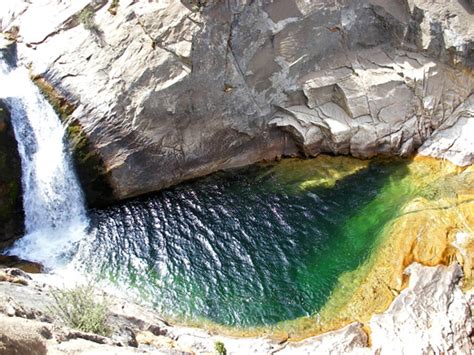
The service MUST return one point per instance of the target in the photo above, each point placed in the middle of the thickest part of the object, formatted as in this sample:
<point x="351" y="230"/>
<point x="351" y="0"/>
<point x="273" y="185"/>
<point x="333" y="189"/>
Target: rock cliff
<point x="169" y="90"/>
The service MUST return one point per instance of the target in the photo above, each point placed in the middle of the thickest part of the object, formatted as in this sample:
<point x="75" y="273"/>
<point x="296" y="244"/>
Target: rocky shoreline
<point x="432" y="311"/>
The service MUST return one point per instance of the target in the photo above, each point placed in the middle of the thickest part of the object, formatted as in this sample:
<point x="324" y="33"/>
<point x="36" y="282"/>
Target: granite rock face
<point x="22" y="336"/>
<point x="376" y="102"/>
<point x="170" y="90"/>
<point x="351" y="339"/>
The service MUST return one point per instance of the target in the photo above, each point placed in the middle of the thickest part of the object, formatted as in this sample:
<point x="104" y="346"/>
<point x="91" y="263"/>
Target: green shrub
<point x="220" y="348"/>
<point x="87" y="18"/>
<point x="77" y="308"/>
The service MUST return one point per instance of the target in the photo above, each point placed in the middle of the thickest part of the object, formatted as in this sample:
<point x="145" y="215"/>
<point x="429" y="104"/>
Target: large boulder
<point x="169" y="90"/>
<point x="432" y="315"/>
<point x="18" y="336"/>
<point x="11" y="209"/>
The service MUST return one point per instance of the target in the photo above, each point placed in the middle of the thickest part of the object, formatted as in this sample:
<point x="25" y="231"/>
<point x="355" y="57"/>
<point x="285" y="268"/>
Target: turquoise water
<point x="243" y="248"/>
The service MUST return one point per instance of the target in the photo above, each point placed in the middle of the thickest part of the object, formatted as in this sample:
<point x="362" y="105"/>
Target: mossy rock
<point x="89" y="166"/>
<point x="11" y="208"/>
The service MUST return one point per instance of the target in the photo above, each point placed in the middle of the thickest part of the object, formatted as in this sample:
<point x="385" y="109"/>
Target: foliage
<point x="220" y="348"/>
<point x="113" y="7"/>
<point x="77" y="308"/>
<point x="87" y="18"/>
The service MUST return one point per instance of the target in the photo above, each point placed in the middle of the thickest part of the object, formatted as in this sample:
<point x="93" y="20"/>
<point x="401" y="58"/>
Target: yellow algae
<point x="322" y="171"/>
<point x="424" y="232"/>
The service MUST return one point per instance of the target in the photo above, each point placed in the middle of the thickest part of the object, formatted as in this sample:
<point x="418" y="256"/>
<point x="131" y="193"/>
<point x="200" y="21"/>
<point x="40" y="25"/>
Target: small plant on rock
<point x="12" y="34"/>
<point x="78" y="309"/>
<point x="87" y="18"/>
<point x="113" y="7"/>
<point x="220" y="348"/>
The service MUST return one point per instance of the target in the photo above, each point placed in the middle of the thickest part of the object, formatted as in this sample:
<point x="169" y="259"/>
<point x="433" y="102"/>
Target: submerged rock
<point x="167" y="91"/>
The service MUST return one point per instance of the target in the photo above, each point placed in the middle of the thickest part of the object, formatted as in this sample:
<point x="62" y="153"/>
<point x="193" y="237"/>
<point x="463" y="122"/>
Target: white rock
<point x="348" y="340"/>
<point x="431" y="316"/>
<point x="454" y="140"/>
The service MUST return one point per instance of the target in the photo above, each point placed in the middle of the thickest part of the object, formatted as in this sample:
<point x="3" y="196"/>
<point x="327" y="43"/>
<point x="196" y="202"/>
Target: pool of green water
<point x="246" y="248"/>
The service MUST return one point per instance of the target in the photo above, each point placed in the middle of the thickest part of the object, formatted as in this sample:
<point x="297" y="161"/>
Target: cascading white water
<point x="55" y="216"/>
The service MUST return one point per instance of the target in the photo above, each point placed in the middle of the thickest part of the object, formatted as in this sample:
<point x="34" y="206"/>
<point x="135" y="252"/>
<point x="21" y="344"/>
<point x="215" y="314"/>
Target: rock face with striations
<point x="170" y="90"/>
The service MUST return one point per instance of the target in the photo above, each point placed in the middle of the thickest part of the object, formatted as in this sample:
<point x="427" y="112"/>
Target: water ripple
<point x="241" y="248"/>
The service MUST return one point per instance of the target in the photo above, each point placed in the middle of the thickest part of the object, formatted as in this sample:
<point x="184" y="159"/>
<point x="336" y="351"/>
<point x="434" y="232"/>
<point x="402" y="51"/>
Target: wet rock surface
<point x="9" y="261"/>
<point x="11" y="209"/>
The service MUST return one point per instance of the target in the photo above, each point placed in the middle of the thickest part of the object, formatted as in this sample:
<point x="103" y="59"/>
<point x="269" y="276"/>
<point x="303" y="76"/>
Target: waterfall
<point x="55" y="215"/>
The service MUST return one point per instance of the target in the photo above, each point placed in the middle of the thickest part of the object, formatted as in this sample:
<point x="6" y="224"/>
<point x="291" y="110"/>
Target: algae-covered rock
<point x="89" y="167"/>
<point x="11" y="210"/>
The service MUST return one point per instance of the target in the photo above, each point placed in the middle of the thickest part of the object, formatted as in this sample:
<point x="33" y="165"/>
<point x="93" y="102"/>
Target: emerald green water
<point x="244" y="248"/>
